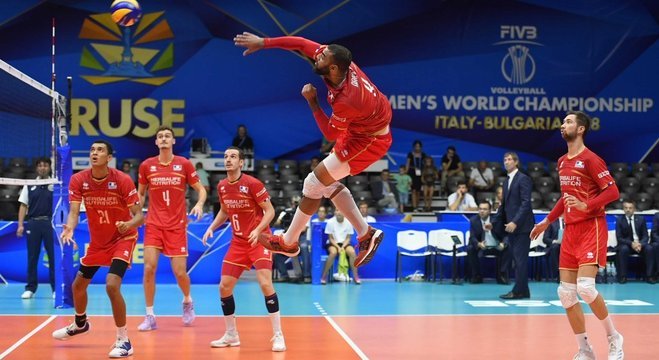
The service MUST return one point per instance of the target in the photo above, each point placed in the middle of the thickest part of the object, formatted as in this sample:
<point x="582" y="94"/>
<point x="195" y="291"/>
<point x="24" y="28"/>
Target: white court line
<point x="338" y="329"/>
<point x="26" y="337"/>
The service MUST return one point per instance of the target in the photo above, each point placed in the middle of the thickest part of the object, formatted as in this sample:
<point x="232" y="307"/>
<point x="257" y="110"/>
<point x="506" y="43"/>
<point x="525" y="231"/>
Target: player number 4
<point x="165" y="196"/>
<point x="368" y="86"/>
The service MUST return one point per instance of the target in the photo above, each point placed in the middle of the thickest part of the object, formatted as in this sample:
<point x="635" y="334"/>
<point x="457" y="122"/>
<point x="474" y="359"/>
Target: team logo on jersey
<point x="344" y="152"/>
<point x="579" y="164"/>
<point x="243" y="189"/>
<point x="590" y="255"/>
<point x="126" y="253"/>
<point x="85" y="186"/>
<point x="178" y="167"/>
<point x="330" y="96"/>
<point x="266" y="252"/>
<point x="561" y="165"/>
<point x="153" y="168"/>
<point x="182" y="249"/>
<point x="112" y="185"/>
<point x="222" y="188"/>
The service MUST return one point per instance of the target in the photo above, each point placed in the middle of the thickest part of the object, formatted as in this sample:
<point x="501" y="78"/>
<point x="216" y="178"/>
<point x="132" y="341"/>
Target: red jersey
<point x="583" y="176"/>
<point x="241" y="200"/>
<point x="358" y="107"/>
<point x="167" y="186"/>
<point x="106" y="202"/>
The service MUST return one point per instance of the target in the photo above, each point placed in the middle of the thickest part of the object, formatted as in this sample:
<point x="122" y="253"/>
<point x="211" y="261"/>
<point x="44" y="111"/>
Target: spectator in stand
<point x="204" y="179"/>
<point x="553" y="238"/>
<point x="414" y="166"/>
<point x="339" y="234"/>
<point x="302" y="269"/>
<point x="127" y="168"/>
<point x="243" y="141"/>
<point x="481" y="178"/>
<point x="451" y="166"/>
<point x="403" y="186"/>
<point x="483" y="241"/>
<point x="498" y="199"/>
<point x="632" y="235"/>
<point x="461" y="199"/>
<point x="429" y="175"/>
<point x="363" y="209"/>
<point x="384" y="192"/>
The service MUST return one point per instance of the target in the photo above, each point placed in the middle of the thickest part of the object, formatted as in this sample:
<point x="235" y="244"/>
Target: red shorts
<point x="584" y="243"/>
<point x="172" y="242"/>
<point x="122" y="249"/>
<point x="242" y="256"/>
<point x="362" y="151"/>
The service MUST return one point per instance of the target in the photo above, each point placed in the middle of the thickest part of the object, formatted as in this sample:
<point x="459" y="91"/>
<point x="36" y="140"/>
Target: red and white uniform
<point x="106" y="202"/>
<point x="240" y="200"/>
<point x="359" y="110"/>
<point x="585" y="239"/>
<point x="167" y="219"/>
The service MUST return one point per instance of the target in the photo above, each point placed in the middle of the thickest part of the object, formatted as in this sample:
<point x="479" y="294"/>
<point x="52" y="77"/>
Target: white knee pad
<point x="586" y="289"/>
<point x="567" y="293"/>
<point x="334" y="189"/>
<point x="312" y="187"/>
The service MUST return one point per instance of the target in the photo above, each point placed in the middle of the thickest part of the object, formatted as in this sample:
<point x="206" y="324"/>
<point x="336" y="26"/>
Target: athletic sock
<point x="582" y="340"/>
<point x="346" y="204"/>
<point x="299" y="223"/>
<point x="149" y="311"/>
<point x="608" y="326"/>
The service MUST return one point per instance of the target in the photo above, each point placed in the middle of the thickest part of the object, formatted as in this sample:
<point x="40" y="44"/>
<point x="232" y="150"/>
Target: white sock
<point x="608" y="326"/>
<point x="187" y="299"/>
<point x="344" y="202"/>
<point x="299" y="223"/>
<point x="276" y="323"/>
<point x="122" y="332"/>
<point x="230" y="321"/>
<point x="582" y="340"/>
<point x="149" y="311"/>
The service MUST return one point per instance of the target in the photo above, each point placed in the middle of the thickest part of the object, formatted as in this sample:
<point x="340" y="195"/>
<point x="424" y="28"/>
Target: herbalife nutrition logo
<point x="518" y="66"/>
<point x="139" y="53"/>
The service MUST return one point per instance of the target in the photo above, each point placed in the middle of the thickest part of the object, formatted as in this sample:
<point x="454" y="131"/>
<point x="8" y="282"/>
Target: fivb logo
<point x="518" y="66"/>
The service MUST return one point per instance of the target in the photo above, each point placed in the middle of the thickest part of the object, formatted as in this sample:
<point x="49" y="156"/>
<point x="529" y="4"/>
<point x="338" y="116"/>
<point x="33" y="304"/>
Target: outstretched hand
<point x="539" y="228"/>
<point x="250" y="41"/>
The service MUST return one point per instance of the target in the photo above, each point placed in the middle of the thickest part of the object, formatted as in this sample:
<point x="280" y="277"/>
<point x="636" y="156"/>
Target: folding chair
<point x="412" y="243"/>
<point x="441" y="242"/>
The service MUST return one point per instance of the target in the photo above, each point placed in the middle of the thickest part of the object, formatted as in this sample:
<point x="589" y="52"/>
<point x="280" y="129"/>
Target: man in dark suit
<point x="515" y="216"/>
<point x="553" y="238"/>
<point x="483" y="241"/>
<point x="654" y="241"/>
<point x="384" y="192"/>
<point x="632" y="235"/>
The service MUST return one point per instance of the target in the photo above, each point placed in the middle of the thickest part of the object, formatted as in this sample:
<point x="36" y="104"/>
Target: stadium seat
<point x="467" y="166"/>
<point x="17" y="162"/>
<point x="643" y="201"/>
<point x="289" y="179"/>
<point x="629" y="185"/>
<point x="287" y="164"/>
<point x="497" y="168"/>
<point x="412" y="243"/>
<point x="619" y="168"/>
<point x="537" y="202"/>
<point x="8" y="209"/>
<point x="551" y="198"/>
<point x="357" y="179"/>
<point x="618" y="204"/>
<point x="501" y="180"/>
<point x="265" y="164"/>
<point x="536" y="166"/>
<point x="536" y="255"/>
<point x="552" y="166"/>
<point x="640" y="170"/>
<point x="485" y="196"/>
<point x="651" y="185"/>
<point x="544" y="184"/>
<point x="268" y="178"/>
<point x="362" y="196"/>
<point x="288" y="187"/>
<point x="441" y="243"/>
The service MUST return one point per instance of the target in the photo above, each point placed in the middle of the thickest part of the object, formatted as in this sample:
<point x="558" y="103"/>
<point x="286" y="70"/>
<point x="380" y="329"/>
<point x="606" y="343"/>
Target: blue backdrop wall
<point x="487" y="76"/>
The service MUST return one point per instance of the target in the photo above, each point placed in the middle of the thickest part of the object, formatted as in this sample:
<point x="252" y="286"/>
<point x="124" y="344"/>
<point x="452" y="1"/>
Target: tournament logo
<point x="178" y="167"/>
<point x="139" y="53"/>
<point x="579" y="164"/>
<point x="112" y="185"/>
<point x="243" y="189"/>
<point x="518" y="66"/>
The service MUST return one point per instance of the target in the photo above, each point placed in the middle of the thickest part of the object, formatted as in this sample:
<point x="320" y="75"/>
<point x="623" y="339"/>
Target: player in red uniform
<point x="113" y="214"/>
<point x="586" y="187"/>
<point x="360" y="125"/>
<point x="245" y="201"/>
<point x="167" y="177"/>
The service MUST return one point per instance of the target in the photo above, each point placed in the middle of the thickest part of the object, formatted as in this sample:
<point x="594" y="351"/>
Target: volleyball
<point x="125" y="12"/>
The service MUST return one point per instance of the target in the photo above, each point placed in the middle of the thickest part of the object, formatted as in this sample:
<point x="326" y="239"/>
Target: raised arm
<point x="255" y="43"/>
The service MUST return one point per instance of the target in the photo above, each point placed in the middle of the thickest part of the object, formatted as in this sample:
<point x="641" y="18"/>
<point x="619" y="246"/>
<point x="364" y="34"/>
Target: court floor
<point x="376" y="320"/>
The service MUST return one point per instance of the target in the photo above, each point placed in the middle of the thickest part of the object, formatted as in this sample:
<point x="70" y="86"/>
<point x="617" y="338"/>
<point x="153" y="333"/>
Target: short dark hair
<point x="462" y="182"/>
<point x="629" y="201"/>
<point x="241" y="155"/>
<point x="417" y="142"/>
<point x="341" y="56"/>
<point x="165" y="128"/>
<point x="489" y="206"/>
<point x="582" y="120"/>
<point x="42" y="160"/>
<point x="107" y="145"/>
<point x="451" y="147"/>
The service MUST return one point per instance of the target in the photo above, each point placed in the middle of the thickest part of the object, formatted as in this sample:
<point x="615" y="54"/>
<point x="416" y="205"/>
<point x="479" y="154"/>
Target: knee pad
<point x="313" y="188"/>
<point x="334" y="189"/>
<point x="567" y="293"/>
<point x="586" y="289"/>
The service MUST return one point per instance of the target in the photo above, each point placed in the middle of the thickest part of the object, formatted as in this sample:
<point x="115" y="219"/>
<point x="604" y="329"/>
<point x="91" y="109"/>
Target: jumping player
<point x="360" y="125"/>
<point x="245" y="201"/>
<point x="166" y="176"/>
<point x="586" y="187"/>
<point x="113" y="213"/>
